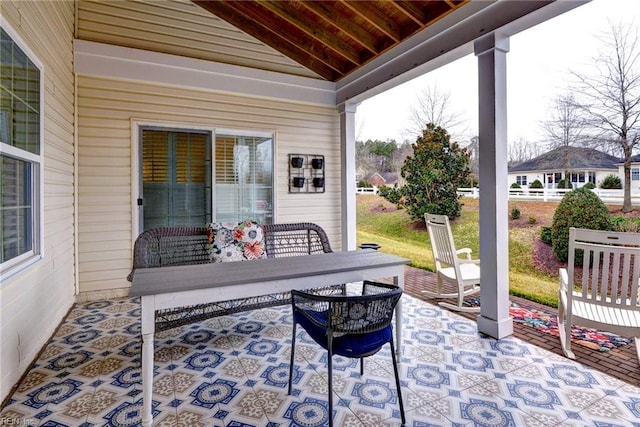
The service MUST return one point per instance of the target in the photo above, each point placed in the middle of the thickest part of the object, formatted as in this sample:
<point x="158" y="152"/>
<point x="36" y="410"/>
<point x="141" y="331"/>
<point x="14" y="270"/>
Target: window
<point x="635" y="174"/>
<point x="243" y="177"/>
<point x="521" y="180"/>
<point x="190" y="177"/>
<point x="20" y="155"/>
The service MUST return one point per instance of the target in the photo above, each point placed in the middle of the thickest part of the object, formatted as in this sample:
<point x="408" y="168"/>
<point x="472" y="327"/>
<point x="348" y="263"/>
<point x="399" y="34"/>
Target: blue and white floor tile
<point x="233" y="371"/>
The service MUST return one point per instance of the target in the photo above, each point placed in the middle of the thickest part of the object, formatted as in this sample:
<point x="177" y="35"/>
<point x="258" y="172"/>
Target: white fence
<point x="556" y="194"/>
<point x="614" y="197"/>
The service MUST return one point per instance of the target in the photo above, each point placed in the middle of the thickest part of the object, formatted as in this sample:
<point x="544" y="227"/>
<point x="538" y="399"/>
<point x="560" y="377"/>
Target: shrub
<point x="589" y="185"/>
<point x="611" y="182"/>
<point x="515" y="185"/>
<point x="561" y="184"/>
<point x="629" y="225"/>
<point x="536" y="184"/>
<point x="391" y="194"/>
<point x="515" y="213"/>
<point x="580" y="208"/>
<point x="545" y="235"/>
<point x="532" y="220"/>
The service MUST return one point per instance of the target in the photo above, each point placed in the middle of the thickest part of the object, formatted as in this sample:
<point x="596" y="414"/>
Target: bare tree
<point x="565" y="129"/>
<point x="611" y="95"/>
<point x="434" y="106"/>
<point x="521" y="150"/>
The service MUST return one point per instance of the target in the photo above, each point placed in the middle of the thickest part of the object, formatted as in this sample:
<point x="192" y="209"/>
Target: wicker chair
<point x="350" y="326"/>
<point x="166" y="246"/>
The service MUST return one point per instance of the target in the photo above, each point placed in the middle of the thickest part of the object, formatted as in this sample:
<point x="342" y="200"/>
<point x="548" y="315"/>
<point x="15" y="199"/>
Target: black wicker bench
<point x="167" y="246"/>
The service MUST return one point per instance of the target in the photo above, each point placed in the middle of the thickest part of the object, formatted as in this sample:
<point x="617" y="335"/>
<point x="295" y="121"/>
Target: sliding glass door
<point x="176" y="178"/>
<point x="188" y="180"/>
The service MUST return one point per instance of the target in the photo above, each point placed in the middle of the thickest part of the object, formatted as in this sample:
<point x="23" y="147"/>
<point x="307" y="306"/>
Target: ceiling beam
<point x="442" y="41"/>
<point x="343" y="24"/>
<point x="271" y="37"/>
<point x="412" y="10"/>
<point x="314" y="31"/>
<point x="376" y="18"/>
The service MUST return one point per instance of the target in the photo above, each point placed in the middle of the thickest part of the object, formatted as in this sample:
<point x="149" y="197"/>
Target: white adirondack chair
<point x="461" y="273"/>
<point x="606" y="296"/>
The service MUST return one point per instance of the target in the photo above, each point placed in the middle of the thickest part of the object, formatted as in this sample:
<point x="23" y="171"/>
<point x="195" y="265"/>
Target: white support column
<point x="348" y="174"/>
<point x="494" y="319"/>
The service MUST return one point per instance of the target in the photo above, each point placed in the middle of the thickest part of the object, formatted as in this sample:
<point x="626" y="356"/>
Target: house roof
<point x="337" y="38"/>
<point x="579" y="158"/>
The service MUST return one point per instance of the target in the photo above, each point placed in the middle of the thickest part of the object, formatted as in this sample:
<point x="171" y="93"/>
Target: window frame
<point x="521" y="180"/>
<point x="637" y="173"/>
<point x="24" y="260"/>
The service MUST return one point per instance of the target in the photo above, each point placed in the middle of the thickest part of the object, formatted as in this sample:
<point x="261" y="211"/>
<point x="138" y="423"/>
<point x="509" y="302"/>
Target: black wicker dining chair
<point x="350" y="326"/>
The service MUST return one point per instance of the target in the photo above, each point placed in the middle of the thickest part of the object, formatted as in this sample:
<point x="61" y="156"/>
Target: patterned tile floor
<point x="233" y="371"/>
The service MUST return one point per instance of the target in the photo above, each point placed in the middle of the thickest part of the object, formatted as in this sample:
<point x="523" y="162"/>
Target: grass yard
<point x="378" y="221"/>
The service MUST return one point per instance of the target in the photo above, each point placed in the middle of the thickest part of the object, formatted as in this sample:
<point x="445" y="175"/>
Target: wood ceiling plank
<point x="315" y="29"/>
<point x="376" y="18"/>
<point x="413" y="10"/>
<point x="278" y="41"/>
<point x="344" y="24"/>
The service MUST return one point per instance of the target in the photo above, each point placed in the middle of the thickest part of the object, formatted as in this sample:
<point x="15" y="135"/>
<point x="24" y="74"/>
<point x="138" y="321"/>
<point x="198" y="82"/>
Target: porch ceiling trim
<point x="445" y="41"/>
<point x="105" y="60"/>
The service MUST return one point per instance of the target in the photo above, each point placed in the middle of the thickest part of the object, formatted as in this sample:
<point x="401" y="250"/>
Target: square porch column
<point x="348" y="174"/>
<point x="494" y="319"/>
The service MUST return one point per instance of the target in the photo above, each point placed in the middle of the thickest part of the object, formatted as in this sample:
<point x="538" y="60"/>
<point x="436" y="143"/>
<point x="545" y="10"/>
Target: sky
<point x="538" y="65"/>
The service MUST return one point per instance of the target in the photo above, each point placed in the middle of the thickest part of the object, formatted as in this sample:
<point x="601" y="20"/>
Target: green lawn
<point x="379" y="222"/>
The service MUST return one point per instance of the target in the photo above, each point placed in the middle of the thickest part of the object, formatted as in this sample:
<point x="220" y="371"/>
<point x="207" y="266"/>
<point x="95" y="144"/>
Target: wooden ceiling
<point x="331" y="38"/>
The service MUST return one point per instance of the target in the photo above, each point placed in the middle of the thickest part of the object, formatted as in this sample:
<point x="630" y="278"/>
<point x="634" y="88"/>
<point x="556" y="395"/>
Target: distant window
<point x="521" y="180"/>
<point x="635" y="174"/>
<point x="20" y="155"/>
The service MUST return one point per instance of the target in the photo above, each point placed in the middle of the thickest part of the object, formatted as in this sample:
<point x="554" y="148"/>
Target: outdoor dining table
<point x="178" y="286"/>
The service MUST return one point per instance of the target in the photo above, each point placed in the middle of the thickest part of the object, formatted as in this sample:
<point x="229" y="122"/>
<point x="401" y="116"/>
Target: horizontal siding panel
<point x="47" y="287"/>
<point x="179" y="28"/>
<point x="106" y="110"/>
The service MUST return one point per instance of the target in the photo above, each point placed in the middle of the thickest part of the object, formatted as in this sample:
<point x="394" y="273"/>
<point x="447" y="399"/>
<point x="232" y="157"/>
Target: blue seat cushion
<point x="349" y="345"/>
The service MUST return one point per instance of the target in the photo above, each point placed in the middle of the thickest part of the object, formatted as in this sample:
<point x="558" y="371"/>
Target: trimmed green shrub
<point x="545" y="235"/>
<point x="536" y="184"/>
<point x="515" y="213"/>
<point x="532" y="220"/>
<point x="589" y="185"/>
<point x="515" y="185"/>
<point x="580" y="208"/>
<point x="611" y="182"/>
<point x="561" y="184"/>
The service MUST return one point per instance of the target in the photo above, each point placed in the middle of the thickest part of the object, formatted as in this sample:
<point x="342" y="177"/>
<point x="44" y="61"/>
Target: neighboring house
<point x="635" y="172"/>
<point x="388" y="179"/>
<point x="118" y="115"/>
<point x="584" y="165"/>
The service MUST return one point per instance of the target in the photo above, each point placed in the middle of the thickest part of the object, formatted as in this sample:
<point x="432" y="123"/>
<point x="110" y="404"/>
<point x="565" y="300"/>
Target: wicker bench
<point x="167" y="246"/>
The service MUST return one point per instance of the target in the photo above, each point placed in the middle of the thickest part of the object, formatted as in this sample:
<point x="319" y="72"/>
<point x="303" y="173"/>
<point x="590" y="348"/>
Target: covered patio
<point x="104" y="78"/>
<point x="233" y="371"/>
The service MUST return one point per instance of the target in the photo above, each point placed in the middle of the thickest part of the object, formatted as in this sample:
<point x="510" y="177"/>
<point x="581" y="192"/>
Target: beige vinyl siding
<point x="107" y="110"/>
<point x="178" y="28"/>
<point x="34" y="301"/>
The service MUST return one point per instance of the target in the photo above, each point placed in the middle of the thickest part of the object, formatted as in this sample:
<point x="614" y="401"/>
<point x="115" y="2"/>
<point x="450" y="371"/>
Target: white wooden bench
<point x="600" y="292"/>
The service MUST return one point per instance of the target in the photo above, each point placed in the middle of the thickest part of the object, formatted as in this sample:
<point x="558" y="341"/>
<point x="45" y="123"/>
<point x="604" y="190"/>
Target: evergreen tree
<point x="433" y="174"/>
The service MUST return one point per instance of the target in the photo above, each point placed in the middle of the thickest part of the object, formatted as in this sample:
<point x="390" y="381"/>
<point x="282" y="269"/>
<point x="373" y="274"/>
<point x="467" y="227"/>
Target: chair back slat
<point x="610" y="270"/>
<point x="444" y="250"/>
